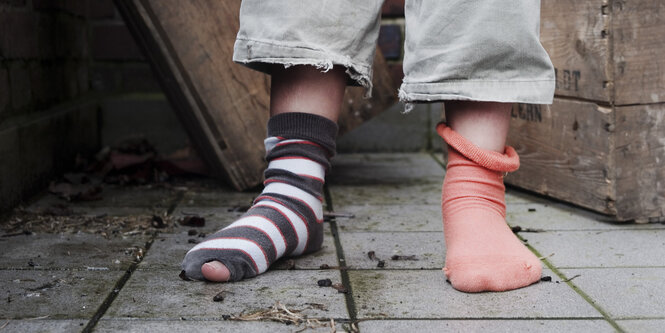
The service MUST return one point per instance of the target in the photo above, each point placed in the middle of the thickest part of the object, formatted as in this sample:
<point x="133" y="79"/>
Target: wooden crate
<point x="601" y="145"/>
<point x="609" y="159"/>
<point x="606" y="50"/>
<point x="223" y="106"/>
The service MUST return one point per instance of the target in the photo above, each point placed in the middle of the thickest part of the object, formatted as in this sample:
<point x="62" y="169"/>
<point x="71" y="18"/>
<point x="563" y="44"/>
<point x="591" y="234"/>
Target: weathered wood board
<point x="608" y="51"/>
<point x="608" y="159"/>
<point x="223" y="106"/>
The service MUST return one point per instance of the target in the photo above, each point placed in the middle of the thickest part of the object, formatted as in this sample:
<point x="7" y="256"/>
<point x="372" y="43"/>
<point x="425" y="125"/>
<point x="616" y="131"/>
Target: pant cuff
<point x="259" y="54"/>
<point x="532" y="92"/>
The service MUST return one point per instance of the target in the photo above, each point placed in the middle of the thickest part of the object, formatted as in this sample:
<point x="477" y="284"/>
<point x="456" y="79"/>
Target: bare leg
<point x="302" y="89"/>
<point x="485" y="124"/>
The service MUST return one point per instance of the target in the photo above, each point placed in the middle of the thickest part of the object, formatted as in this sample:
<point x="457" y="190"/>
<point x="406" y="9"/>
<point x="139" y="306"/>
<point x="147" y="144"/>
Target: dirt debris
<point x="399" y="257"/>
<point x="281" y="314"/>
<point x="193" y="221"/>
<point x="26" y="223"/>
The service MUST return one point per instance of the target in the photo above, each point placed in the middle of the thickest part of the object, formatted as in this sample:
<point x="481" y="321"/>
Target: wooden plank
<point x="638" y="32"/>
<point x="565" y="151"/>
<point x="640" y="162"/>
<point x="575" y="35"/>
<point x="223" y="106"/>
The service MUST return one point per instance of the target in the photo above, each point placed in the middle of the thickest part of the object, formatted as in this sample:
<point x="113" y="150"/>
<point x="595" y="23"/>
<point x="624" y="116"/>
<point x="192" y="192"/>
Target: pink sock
<point x="482" y="253"/>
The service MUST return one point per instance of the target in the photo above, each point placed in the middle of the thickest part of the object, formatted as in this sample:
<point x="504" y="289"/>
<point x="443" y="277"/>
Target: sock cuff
<point x="306" y="126"/>
<point x="509" y="161"/>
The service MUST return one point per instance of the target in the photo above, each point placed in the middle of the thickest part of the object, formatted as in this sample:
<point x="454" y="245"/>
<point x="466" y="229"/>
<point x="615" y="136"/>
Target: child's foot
<point x="482" y="253"/>
<point x="286" y="219"/>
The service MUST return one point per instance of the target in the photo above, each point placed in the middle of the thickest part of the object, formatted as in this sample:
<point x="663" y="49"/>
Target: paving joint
<point x="128" y="273"/>
<point x="575" y="288"/>
<point x="348" y="297"/>
<point x="116" y="290"/>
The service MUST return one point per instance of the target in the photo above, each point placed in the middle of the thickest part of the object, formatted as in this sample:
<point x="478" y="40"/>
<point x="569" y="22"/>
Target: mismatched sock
<point x="286" y="219"/>
<point x="482" y="253"/>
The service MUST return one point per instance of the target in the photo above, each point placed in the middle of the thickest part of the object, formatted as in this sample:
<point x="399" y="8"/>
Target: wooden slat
<point x="575" y="35"/>
<point x="223" y="106"/>
<point x="565" y="152"/>
<point x="638" y="32"/>
<point x="640" y="162"/>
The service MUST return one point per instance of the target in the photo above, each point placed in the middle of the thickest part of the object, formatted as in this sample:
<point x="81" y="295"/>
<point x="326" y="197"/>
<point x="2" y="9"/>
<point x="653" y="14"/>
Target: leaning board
<point x="223" y="106"/>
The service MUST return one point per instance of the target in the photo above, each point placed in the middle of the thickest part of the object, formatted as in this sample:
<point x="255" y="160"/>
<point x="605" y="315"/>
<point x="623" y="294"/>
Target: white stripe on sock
<point x="299" y="166"/>
<point x="298" y="224"/>
<point x="292" y="191"/>
<point x="249" y="247"/>
<point x="270" y="143"/>
<point x="267" y="227"/>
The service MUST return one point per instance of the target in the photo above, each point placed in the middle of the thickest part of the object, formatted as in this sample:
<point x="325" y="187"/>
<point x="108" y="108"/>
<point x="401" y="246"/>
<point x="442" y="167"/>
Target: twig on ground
<point x="571" y="278"/>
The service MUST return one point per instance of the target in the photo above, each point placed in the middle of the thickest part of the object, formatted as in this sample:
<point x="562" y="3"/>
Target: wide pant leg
<point x="479" y="50"/>
<point x="321" y="33"/>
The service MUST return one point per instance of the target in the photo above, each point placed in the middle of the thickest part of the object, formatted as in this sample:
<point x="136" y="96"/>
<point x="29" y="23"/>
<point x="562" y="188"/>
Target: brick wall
<point x="46" y="114"/>
<point x="117" y="64"/>
<point x="43" y="54"/>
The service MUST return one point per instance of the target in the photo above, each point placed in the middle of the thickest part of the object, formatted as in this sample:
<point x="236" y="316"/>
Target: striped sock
<point x="286" y="218"/>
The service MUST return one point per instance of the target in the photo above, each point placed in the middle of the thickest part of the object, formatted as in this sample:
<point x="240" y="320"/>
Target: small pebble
<point x="324" y="283"/>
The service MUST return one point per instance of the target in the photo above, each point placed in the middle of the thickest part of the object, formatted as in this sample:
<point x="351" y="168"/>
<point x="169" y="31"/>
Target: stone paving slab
<point x="151" y="197"/>
<point x="612" y="248"/>
<point x="642" y="325"/>
<point x="168" y="250"/>
<point x="508" y="326"/>
<point x="428" y="248"/>
<point x="55" y="294"/>
<point x="425" y="294"/>
<point x="559" y="217"/>
<point x="215" y="218"/>
<point x="395" y="168"/>
<point x="390" y="218"/>
<point x="212" y="326"/>
<point x="69" y="251"/>
<point x="162" y="295"/>
<point x="45" y="326"/>
<point x="403" y="195"/>
<point x="625" y="293"/>
<point x="217" y="198"/>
